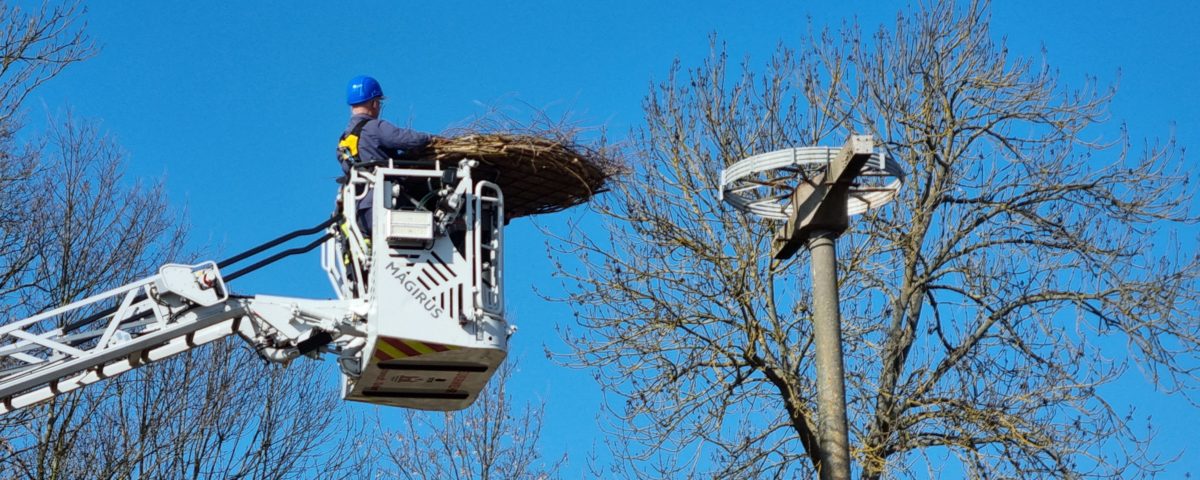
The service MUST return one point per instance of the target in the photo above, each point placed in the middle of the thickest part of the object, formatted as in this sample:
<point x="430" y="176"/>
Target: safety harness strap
<point x="348" y="144"/>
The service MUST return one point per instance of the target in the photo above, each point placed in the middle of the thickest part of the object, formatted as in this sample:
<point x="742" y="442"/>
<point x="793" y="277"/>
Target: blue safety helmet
<point x="362" y="89"/>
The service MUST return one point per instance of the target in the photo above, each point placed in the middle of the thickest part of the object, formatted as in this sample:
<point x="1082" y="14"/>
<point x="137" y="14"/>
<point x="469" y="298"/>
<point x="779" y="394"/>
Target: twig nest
<point x="537" y="175"/>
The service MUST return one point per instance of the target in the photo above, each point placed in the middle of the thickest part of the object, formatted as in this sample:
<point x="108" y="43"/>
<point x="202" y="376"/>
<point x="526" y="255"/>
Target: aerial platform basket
<point x="436" y="329"/>
<point x="419" y="321"/>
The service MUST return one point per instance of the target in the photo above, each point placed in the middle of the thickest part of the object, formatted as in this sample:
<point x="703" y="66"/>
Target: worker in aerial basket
<point x="369" y="139"/>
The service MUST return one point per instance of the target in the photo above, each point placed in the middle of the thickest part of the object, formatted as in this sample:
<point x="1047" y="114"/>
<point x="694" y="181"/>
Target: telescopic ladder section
<point x="180" y="308"/>
<point x="154" y="318"/>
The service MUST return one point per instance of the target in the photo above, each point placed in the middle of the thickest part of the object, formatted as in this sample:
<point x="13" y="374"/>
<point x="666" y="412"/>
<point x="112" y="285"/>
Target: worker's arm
<point x="401" y="139"/>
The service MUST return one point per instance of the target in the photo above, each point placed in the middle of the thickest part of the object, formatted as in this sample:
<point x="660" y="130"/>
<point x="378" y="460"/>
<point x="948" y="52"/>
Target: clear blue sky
<point x="239" y="105"/>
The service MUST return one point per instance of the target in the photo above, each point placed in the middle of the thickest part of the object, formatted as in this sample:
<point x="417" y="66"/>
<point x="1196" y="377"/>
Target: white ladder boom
<point x="177" y="310"/>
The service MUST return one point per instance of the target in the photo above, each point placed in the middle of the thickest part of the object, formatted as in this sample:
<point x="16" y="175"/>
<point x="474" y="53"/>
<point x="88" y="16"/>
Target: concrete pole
<point x="832" y="431"/>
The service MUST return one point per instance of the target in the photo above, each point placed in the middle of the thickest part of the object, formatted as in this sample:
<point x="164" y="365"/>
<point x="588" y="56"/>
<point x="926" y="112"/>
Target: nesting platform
<point x="536" y="174"/>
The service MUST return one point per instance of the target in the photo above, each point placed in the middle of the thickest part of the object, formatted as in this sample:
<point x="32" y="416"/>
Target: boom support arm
<point x="180" y="308"/>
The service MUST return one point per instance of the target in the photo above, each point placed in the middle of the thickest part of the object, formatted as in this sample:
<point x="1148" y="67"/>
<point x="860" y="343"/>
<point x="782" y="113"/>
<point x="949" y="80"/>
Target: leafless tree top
<point x="981" y="311"/>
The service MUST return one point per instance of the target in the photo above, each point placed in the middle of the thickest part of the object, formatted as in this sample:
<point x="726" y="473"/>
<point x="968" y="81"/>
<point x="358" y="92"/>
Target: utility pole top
<point x="812" y="189"/>
<point x="819" y="204"/>
<point x="773" y="185"/>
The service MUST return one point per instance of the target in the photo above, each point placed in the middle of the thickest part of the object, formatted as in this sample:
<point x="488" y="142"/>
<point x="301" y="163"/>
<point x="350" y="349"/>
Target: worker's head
<point x="364" y="95"/>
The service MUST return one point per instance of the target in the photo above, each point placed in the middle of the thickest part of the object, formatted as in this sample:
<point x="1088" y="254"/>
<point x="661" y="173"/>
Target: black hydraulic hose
<point x="276" y="257"/>
<point x="231" y="260"/>
<point x="259" y="249"/>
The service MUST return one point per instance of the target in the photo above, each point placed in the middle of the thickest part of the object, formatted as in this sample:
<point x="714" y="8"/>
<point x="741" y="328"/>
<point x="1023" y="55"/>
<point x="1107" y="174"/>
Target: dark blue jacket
<point x="380" y="140"/>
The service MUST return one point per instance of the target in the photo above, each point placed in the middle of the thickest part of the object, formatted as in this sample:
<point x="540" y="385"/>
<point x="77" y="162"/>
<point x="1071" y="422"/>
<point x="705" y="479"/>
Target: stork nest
<point x="536" y="174"/>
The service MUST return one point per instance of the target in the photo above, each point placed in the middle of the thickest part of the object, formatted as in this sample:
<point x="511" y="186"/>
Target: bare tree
<point x="89" y="232"/>
<point x="220" y="412"/>
<point x="72" y="225"/>
<point x="981" y="310"/>
<point x="488" y="440"/>
<point x="34" y="47"/>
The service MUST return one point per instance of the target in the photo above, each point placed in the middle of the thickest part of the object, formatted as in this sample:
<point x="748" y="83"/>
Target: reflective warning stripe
<point x="394" y="348"/>
<point x="384" y="351"/>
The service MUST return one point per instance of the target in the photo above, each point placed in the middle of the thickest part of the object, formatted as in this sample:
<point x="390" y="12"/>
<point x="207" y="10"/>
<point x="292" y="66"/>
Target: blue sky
<point x="238" y="106"/>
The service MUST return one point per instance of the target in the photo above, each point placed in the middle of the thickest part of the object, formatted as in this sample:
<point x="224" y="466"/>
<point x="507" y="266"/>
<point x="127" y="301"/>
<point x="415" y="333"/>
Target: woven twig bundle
<point x="536" y="174"/>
